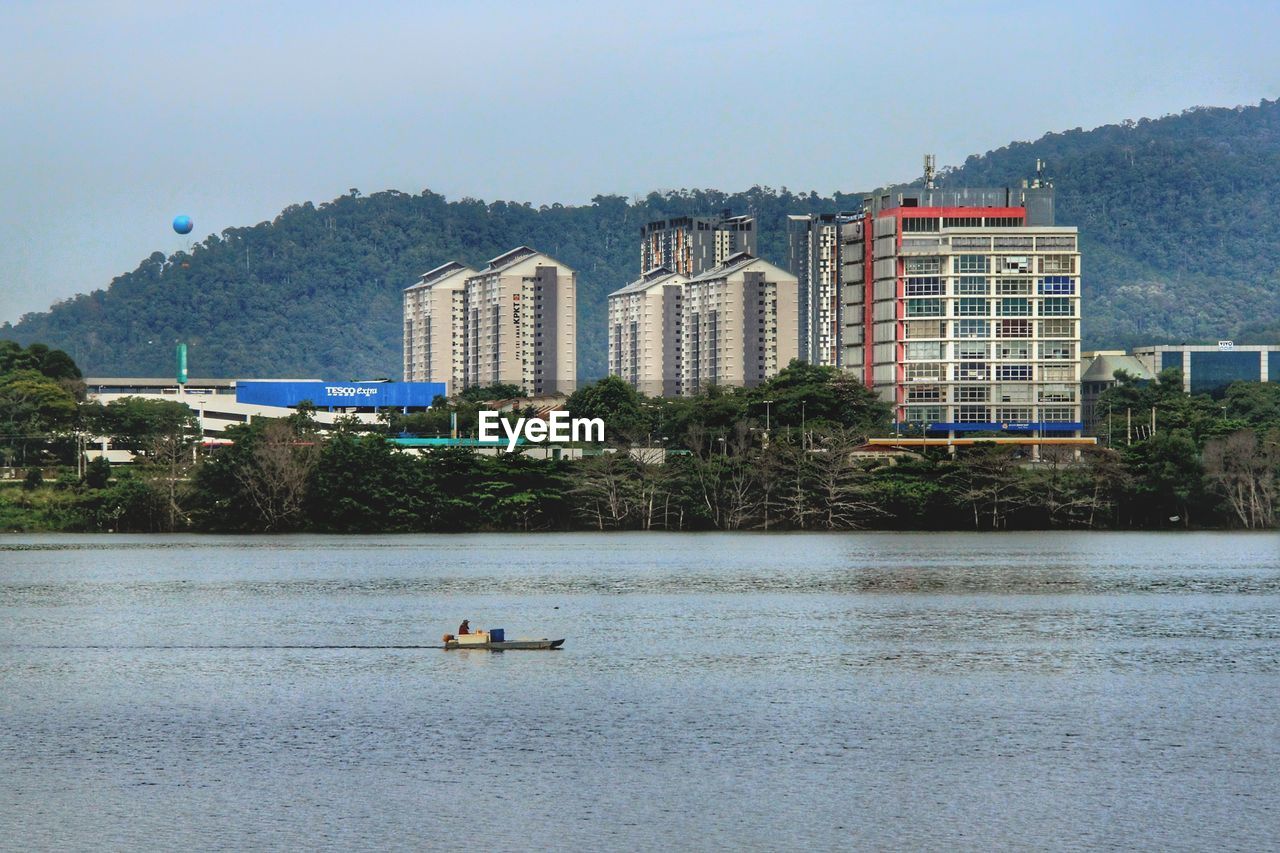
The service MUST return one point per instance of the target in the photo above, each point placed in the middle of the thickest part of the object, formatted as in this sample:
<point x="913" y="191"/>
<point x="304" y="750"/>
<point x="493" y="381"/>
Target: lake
<point x="718" y="691"/>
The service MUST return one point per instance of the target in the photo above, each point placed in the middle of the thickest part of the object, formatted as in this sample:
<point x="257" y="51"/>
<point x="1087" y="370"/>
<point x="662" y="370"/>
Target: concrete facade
<point x="645" y="334"/>
<point x="740" y="324"/>
<point x="520" y="324"/>
<point x="962" y="309"/>
<point x="434" y="318"/>
<point x="813" y="243"/>
<point x="691" y="245"/>
<point x="1210" y="368"/>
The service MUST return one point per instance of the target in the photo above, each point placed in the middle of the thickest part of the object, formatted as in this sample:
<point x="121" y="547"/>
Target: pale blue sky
<point x="114" y="117"/>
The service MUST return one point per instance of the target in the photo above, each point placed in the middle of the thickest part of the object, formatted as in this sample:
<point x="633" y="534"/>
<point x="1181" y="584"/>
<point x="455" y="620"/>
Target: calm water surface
<point x="875" y="691"/>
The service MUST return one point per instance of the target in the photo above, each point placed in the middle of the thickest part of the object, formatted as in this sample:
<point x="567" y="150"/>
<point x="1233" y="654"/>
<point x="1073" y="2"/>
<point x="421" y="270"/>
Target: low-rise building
<point x="1210" y="368"/>
<point x="222" y="403"/>
<point x="1099" y="371"/>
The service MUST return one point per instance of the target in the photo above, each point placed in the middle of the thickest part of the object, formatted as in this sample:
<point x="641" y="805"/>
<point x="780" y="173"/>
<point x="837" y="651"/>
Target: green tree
<point x="487" y="393"/>
<point x="1166" y="478"/>
<point x="361" y="483"/>
<point x="137" y="423"/>
<point x="97" y="473"/>
<point x="628" y="415"/>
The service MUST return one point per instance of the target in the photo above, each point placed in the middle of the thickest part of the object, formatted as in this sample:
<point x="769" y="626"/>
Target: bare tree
<point x="170" y="458"/>
<point x="1245" y="470"/>
<point x="606" y="487"/>
<point x="276" y="473"/>
<point x="991" y="482"/>
<point x="821" y="484"/>
<point x="839" y="483"/>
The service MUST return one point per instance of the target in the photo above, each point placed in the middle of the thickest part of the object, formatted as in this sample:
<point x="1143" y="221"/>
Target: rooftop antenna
<point x="1041" y="180"/>
<point x="929" y="162"/>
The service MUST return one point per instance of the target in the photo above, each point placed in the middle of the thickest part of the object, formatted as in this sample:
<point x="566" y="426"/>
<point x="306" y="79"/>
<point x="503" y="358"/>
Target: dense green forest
<point x="1181" y="242"/>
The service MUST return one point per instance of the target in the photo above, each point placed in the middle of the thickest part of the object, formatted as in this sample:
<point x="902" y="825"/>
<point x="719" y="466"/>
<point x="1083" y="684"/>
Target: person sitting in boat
<point x="465" y="627"/>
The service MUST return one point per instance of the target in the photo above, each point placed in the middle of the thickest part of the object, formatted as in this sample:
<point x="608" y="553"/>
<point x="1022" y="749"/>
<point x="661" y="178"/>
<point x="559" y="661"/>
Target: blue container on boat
<point x="497" y="635"/>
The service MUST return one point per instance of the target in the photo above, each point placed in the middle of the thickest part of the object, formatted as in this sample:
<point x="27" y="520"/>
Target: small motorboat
<point x="495" y="640"/>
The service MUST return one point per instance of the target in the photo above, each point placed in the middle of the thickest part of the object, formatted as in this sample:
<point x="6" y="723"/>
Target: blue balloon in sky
<point x="183" y="224"/>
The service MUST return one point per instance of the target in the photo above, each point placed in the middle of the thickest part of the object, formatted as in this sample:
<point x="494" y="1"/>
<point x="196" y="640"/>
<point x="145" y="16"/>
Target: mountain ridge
<point x="1178" y="244"/>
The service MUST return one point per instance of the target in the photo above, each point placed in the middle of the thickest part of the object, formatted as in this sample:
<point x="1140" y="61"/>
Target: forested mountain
<point x="1180" y="236"/>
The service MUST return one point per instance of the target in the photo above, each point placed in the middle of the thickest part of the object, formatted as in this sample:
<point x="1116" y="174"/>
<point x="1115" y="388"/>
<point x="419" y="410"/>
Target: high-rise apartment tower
<point x="813" y="242"/>
<point x="962" y="309"/>
<point x="434" y="320"/>
<point x="520" y="324"/>
<point x="691" y="245"/>
<point x="513" y="322"/>
<point x="644" y="332"/>
<point x="739" y="324"/>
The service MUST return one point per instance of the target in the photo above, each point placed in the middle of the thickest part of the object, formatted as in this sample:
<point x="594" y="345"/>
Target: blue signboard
<point x="345" y="395"/>
<point x="1000" y="426"/>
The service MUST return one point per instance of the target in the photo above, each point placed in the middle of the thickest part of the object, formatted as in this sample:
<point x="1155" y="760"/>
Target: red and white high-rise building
<point x="961" y="307"/>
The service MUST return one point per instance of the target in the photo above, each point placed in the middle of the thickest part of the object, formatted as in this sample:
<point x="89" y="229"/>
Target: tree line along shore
<point x="787" y="455"/>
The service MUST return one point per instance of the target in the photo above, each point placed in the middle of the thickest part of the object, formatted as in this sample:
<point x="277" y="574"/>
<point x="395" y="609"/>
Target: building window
<point x="924" y="308"/>
<point x="1058" y="373"/>
<point x="1013" y="393"/>
<point x="971" y="308"/>
<point x="1057" y="328"/>
<point x="918" y="224"/>
<point x="923" y="266"/>
<point x="1058" y="264"/>
<point x="1057" y="351"/>
<point x="1013" y="328"/>
<point x="926" y="329"/>
<point x="1057" y="306"/>
<point x="1013" y="287"/>
<point x="1057" y="394"/>
<point x="972" y="371"/>
<point x="1013" y="307"/>
<point x="973" y="414"/>
<point x="924" y="371"/>
<point x="970" y="263"/>
<point x="924" y="350"/>
<point x="962" y="222"/>
<point x="971" y="285"/>
<point x="1018" y="350"/>
<point x="924" y="286"/>
<point x="923" y="414"/>
<point x="972" y="350"/>
<point x="1020" y="414"/>
<point x="1057" y="285"/>
<point x="971" y="329"/>
<point x="971" y="393"/>
<point x="1058" y="414"/>
<point x="924" y="393"/>
<point x="1013" y="372"/>
<point x="1013" y="264"/>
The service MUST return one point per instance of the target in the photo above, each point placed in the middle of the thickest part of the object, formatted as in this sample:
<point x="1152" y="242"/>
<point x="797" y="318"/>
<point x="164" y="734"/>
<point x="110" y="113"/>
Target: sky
<point x="115" y="117"/>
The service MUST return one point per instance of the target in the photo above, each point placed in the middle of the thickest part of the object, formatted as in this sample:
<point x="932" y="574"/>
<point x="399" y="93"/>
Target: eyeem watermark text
<point x="559" y="428"/>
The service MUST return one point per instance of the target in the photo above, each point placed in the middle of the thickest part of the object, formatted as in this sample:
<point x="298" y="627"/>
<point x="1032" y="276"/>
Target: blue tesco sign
<point x="339" y="394"/>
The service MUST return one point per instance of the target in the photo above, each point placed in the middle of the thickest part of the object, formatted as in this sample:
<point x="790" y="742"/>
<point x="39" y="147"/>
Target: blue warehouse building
<point x="330" y="395"/>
